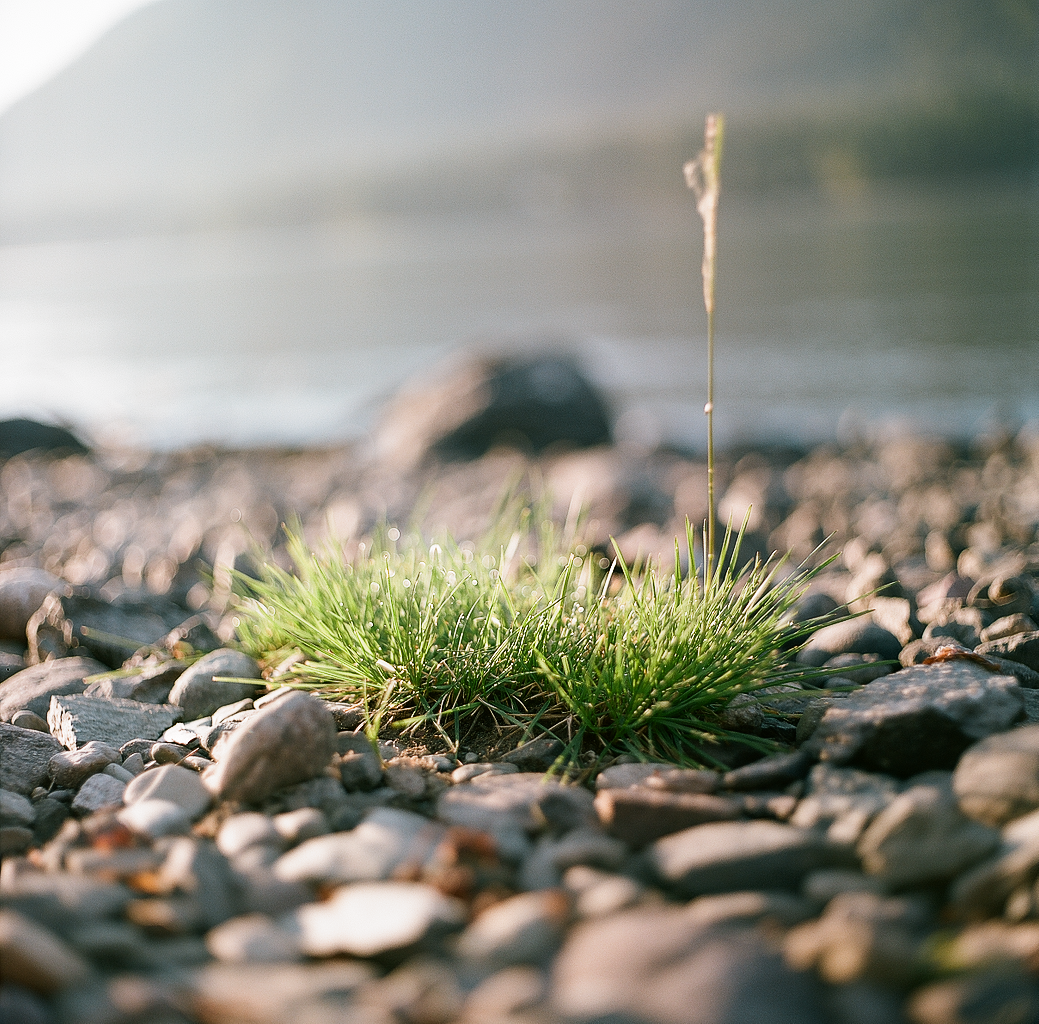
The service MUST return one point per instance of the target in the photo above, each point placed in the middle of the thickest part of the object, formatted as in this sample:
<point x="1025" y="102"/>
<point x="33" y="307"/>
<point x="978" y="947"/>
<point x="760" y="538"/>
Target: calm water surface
<point x="909" y="304"/>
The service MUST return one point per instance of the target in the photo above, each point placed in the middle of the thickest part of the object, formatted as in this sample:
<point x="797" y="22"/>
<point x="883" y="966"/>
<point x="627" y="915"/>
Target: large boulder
<point x="918" y="719"/>
<point x="527" y="402"/>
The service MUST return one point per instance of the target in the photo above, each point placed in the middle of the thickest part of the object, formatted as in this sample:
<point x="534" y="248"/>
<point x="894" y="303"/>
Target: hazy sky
<point x="39" y="37"/>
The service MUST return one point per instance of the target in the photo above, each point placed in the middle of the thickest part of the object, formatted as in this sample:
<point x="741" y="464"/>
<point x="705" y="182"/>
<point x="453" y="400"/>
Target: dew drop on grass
<point x="393" y="533"/>
<point x="405" y="584"/>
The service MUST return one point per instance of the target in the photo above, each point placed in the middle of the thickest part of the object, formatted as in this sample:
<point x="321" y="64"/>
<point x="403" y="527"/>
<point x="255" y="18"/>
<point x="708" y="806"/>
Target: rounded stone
<point x="201" y="689"/>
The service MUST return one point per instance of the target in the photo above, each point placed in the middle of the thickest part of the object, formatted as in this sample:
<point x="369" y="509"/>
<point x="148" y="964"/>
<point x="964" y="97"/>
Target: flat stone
<point x="523" y="929"/>
<point x="253" y="939"/>
<point x="510" y="806"/>
<point x="289" y="741"/>
<point x="32" y="688"/>
<point x="465" y="772"/>
<point x="537" y="755"/>
<point x="77" y="719"/>
<point x="297" y="826"/>
<point x="654" y="964"/>
<point x="199" y="692"/>
<point x="921" y="838"/>
<point x="997" y="779"/>
<point x="57" y="899"/>
<point x="620" y="776"/>
<point x="271" y="993"/>
<point x="385" y="840"/>
<point x="732" y="856"/>
<point x="639" y="815"/>
<point x="25" y="756"/>
<point x="1021" y="647"/>
<point x="98" y="792"/>
<point x="22" y="590"/>
<point x="918" y="719"/>
<point x="70" y="768"/>
<point x="35" y="958"/>
<point x="240" y="831"/>
<point x="370" y="918"/>
<point x="773" y="772"/>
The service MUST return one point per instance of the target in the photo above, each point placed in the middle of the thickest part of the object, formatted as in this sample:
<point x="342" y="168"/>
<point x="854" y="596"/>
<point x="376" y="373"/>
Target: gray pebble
<point x="173" y="783"/>
<point x="99" y="791"/>
<point x="199" y="692"/>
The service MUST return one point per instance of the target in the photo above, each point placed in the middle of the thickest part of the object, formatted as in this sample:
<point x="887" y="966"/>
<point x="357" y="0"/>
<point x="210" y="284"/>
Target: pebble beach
<point x="181" y="848"/>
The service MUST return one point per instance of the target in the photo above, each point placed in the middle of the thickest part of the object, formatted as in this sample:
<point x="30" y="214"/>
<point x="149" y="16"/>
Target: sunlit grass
<point x="521" y="630"/>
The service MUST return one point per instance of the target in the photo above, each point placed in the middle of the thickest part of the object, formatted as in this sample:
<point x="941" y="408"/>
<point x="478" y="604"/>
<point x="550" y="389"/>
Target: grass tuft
<point x="524" y="631"/>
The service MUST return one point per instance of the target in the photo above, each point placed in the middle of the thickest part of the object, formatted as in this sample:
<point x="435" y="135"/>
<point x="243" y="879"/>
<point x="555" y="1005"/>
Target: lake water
<point x="913" y="304"/>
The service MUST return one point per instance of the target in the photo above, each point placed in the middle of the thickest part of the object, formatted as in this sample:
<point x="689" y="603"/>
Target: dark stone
<point x="855" y="636"/>
<point x="532" y="402"/>
<point x="111" y="632"/>
<point x="21" y="435"/>
<point x="772" y="772"/>
<point x="536" y="756"/>
<point x="640" y="815"/>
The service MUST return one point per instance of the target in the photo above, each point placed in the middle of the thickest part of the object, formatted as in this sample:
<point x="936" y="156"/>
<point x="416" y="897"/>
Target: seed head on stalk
<point x="703" y="176"/>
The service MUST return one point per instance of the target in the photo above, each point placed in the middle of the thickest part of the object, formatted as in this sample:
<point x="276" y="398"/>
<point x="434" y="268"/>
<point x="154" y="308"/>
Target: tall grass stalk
<point x="703" y="175"/>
